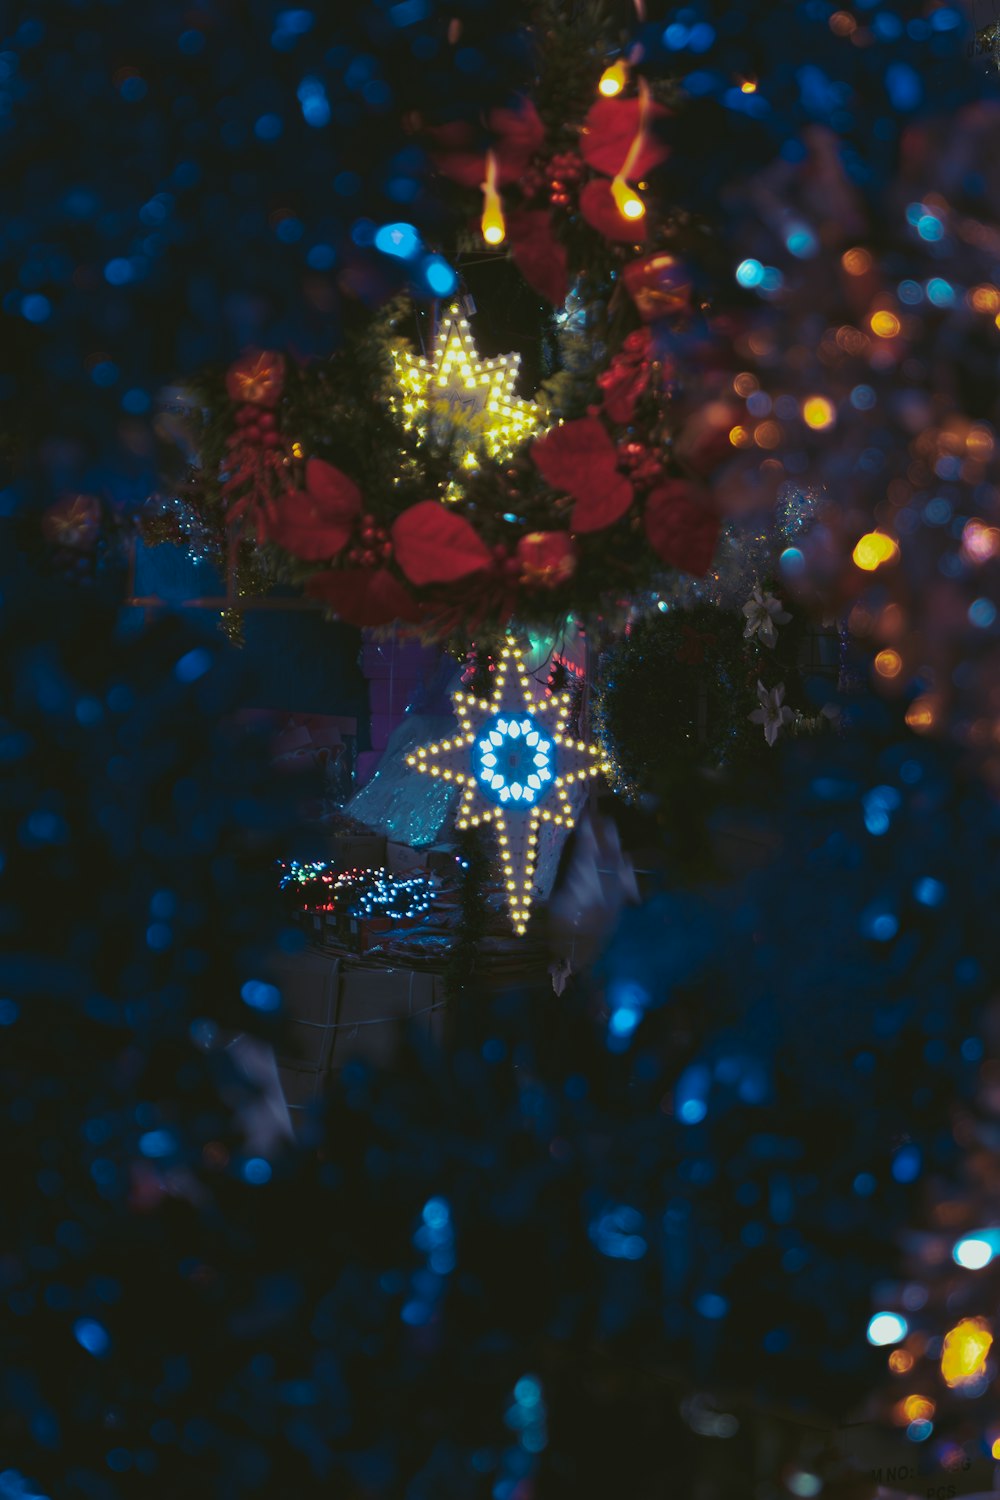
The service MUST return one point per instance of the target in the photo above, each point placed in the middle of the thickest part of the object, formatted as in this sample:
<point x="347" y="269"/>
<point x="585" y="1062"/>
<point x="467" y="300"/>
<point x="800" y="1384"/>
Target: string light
<point x="361" y="892"/>
<point x="513" y="759"/>
<point x="493" y="225"/>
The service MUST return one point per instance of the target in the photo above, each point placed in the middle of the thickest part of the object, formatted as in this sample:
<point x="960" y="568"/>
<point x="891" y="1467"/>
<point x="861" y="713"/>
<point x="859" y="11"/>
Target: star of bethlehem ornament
<point x="517" y="768"/>
<point x="456" y="396"/>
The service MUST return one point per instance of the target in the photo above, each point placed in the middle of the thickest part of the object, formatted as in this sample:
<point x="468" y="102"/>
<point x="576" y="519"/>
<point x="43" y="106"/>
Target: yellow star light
<point x="518" y="769"/>
<point x="454" y="395"/>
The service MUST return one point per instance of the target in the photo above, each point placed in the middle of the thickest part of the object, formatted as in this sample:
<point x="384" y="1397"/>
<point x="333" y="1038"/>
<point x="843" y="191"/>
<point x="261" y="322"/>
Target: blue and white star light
<point x="518" y="769"/>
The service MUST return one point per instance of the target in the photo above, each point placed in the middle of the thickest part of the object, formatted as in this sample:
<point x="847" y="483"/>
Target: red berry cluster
<point x="255" y="428"/>
<point x="565" y="172"/>
<point x="373" y="545"/>
<point x="642" y="464"/>
<point x="556" y="177"/>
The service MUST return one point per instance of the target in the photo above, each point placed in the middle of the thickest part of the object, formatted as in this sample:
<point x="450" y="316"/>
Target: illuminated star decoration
<point x="517" y="768"/>
<point x="454" y="395"/>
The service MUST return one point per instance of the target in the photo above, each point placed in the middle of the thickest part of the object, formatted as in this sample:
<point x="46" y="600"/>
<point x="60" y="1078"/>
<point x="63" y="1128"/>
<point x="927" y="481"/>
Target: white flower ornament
<point x="773" y="713"/>
<point x="763" y="612"/>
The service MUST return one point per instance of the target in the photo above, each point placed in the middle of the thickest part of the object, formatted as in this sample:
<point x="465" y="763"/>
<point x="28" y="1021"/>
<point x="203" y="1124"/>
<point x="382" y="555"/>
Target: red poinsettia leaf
<point x="580" y="458"/>
<point x="569" y="455"/>
<point x="602" y="213"/>
<point x="434" y="545"/>
<point x="538" y="255"/>
<point x="459" y="149"/>
<point x="364" y="596"/>
<point x="459" y="152"/>
<point x="315" y="523"/>
<point x="681" y="527"/>
<point x="608" y="499"/>
<point x="609" y="130"/>
<point x="519" y="134"/>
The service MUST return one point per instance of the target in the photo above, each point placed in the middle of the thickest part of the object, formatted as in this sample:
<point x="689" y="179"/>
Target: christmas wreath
<point x="393" y="484"/>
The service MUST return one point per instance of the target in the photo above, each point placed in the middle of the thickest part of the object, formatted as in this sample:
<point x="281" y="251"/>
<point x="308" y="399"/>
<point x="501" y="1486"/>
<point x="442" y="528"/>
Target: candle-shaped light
<point x="614" y="78"/>
<point x="494" y="226"/>
<point x="630" y="205"/>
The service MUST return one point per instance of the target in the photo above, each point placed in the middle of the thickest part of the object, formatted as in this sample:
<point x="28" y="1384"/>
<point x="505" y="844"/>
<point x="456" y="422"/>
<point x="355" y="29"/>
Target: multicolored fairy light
<point x="363" y="893"/>
<point x="517" y="768"/>
<point x="456" y="396"/>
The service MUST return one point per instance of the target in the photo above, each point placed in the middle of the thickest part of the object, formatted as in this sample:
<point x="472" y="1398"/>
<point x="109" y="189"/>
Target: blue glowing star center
<point x="514" y="761"/>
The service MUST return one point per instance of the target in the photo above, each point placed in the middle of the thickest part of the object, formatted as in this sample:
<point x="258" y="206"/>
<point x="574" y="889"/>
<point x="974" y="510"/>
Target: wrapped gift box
<point x="341" y="1010"/>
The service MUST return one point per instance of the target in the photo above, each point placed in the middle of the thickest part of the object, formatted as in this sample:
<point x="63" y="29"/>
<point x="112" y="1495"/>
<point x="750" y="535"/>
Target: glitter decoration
<point x="516" y="769"/>
<point x="796" y="508"/>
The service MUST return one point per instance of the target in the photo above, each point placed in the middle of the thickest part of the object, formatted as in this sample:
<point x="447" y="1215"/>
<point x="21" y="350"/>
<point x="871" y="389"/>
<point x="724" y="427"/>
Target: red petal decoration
<point x="567" y="455"/>
<point x="680" y="526"/>
<point x="458" y="153"/>
<point x="538" y="255"/>
<point x="609" y="130"/>
<point x="315" y="523"/>
<point x="434" y="545"/>
<point x="519" y="135"/>
<point x="514" y="134"/>
<point x="603" y="214"/>
<point x="580" y="458"/>
<point x="364" y="596"/>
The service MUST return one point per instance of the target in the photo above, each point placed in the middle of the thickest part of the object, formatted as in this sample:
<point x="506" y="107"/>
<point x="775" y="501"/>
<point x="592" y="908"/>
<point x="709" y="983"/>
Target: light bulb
<point x="613" y="79"/>
<point x="630" y="205"/>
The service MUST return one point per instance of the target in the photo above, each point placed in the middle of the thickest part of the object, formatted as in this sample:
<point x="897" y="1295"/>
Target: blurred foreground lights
<point x="874" y="549"/>
<point x="818" y="413"/>
<point x="966" y="1349"/>
<point x="884" y="324"/>
<point x="804" y="1484"/>
<point x="921" y="714"/>
<point x="974" y="1251"/>
<point x="886" y="1328"/>
<point x="888" y="663"/>
<point x="979" y="541"/>
<point x="901" y="1361"/>
<point x="856" y="262"/>
<point x="399" y="240"/>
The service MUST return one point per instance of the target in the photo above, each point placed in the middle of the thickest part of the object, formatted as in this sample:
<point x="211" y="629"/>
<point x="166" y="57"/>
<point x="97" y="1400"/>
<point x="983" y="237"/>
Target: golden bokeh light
<point x="884" y="324"/>
<point x="874" y="549"/>
<point x="966" y="1349"/>
<point x="818" y="413"/>
<point x="921" y="714"/>
<point x="888" y="663"/>
<point x="856" y="262"/>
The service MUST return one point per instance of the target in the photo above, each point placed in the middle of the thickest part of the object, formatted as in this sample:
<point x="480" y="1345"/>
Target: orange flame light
<point x="630" y="205"/>
<point x="613" y="79"/>
<point x="493" y="224"/>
